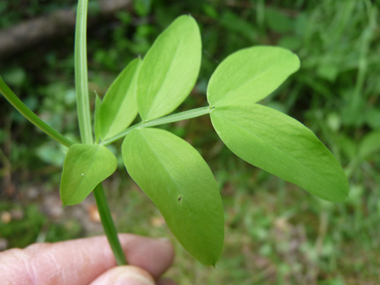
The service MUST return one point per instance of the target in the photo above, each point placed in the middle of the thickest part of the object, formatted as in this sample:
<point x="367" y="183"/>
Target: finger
<point x="154" y="255"/>
<point x="125" y="275"/>
<point x="81" y="261"/>
<point x="129" y="275"/>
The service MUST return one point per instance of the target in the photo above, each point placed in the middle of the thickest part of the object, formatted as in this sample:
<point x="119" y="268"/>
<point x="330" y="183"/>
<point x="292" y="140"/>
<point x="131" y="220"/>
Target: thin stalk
<point x="84" y="118"/>
<point x="165" y="120"/>
<point x="81" y="78"/>
<point x="366" y="38"/>
<point x="108" y="225"/>
<point x="28" y="114"/>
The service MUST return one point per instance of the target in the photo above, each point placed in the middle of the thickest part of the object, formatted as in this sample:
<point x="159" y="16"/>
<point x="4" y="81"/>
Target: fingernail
<point x="134" y="276"/>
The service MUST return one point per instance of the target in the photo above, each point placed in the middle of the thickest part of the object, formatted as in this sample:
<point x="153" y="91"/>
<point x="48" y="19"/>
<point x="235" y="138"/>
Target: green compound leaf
<point x="251" y="74"/>
<point x="282" y="146"/>
<point x="177" y="179"/>
<point x="119" y="107"/>
<point x="169" y="70"/>
<point x="84" y="168"/>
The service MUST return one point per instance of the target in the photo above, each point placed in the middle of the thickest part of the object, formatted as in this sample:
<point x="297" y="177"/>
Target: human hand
<point x="88" y="261"/>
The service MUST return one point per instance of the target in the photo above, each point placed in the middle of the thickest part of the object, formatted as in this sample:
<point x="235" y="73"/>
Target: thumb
<point x="125" y="275"/>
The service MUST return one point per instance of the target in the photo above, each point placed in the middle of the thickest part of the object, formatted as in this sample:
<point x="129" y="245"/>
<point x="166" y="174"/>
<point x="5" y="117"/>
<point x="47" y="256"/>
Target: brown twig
<point x="27" y="34"/>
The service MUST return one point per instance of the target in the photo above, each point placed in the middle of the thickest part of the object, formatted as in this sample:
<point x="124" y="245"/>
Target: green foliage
<point x="338" y="46"/>
<point x="282" y="146"/>
<point x="12" y="12"/>
<point x="25" y="229"/>
<point x="28" y="224"/>
<point x="170" y="171"/>
<point x="169" y="70"/>
<point x="250" y="75"/>
<point x="142" y="7"/>
<point x="85" y="167"/>
<point x="177" y="179"/>
<point x="264" y="137"/>
<point x="51" y="153"/>
<point x="118" y="109"/>
<point x="370" y="144"/>
<point x="161" y="163"/>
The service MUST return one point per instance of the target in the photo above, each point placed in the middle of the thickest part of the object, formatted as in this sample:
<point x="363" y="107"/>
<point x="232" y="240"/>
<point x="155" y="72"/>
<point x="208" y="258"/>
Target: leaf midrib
<point x="260" y="74"/>
<point x="158" y="157"/>
<point x="275" y="147"/>
<point x="165" y="78"/>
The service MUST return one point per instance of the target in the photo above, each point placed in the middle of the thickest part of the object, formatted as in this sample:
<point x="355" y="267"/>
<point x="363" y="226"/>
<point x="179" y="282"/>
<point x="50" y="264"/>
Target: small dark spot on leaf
<point x="180" y="198"/>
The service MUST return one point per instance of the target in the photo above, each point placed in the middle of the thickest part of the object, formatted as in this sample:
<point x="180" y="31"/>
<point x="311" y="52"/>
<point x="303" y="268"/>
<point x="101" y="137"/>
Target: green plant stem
<point x="81" y="78"/>
<point x="165" y="120"/>
<point x="108" y="224"/>
<point x="84" y="118"/>
<point x="28" y="114"/>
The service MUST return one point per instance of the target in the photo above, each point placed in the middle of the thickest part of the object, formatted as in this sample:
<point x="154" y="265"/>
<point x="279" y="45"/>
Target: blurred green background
<point x="276" y="233"/>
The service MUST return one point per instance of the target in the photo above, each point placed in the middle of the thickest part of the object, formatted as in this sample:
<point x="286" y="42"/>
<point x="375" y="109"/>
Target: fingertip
<point x="125" y="275"/>
<point x="154" y="255"/>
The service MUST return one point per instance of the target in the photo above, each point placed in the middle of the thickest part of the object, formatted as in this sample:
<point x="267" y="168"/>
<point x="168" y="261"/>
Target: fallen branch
<point x="62" y="22"/>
